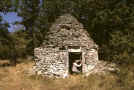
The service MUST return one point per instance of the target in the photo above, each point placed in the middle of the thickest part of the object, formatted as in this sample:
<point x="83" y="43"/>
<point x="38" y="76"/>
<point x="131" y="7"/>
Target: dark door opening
<point x="75" y="57"/>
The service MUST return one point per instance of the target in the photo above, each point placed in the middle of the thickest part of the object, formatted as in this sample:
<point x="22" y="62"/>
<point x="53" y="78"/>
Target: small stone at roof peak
<point x="67" y="19"/>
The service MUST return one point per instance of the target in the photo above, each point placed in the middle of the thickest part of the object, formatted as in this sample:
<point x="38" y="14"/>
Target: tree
<point x="5" y="5"/>
<point x="105" y="20"/>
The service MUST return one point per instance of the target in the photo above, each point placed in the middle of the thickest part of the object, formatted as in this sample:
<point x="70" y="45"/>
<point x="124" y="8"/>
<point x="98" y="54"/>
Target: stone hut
<point x="66" y="42"/>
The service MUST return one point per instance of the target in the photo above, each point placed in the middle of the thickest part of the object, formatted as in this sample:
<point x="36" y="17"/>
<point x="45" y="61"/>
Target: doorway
<point x="74" y="57"/>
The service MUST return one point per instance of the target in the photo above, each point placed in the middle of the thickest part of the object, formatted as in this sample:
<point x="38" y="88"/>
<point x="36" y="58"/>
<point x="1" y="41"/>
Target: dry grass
<point x="15" y="78"/>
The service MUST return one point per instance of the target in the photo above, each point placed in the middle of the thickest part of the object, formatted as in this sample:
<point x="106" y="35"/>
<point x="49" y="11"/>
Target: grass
<point x="15" y="78"/>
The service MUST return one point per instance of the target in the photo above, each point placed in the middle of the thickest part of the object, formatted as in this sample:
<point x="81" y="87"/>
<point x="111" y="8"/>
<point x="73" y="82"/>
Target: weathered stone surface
<point x="49" y="62"/>
<point x="65" y="36"/>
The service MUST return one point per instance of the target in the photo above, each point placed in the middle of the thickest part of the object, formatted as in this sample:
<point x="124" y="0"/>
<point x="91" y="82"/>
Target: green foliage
<point x="122" y="46"/>
<point x="110" y="24"/>
<point x="4" y="40"/>
<point x="21" y="40"/>
<point x="5" y="5"/>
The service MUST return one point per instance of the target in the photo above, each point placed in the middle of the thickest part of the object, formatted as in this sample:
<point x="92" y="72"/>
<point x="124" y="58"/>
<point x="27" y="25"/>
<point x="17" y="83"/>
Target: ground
<point x="17" y="78"/>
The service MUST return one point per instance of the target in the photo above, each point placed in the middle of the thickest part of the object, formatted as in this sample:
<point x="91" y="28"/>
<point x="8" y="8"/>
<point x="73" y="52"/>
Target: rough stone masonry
<point x="66" y="41"/>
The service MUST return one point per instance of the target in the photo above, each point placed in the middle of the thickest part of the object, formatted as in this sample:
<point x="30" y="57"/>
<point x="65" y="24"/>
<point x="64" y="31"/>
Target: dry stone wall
<point x="91" y="60"/>
<point x="50" y="62"/>
<point x="65" y="32"/>
<point x="53" y="62"/>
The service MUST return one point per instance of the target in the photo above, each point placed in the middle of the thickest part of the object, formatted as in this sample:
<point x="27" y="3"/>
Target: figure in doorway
<point x="76" y="68"/>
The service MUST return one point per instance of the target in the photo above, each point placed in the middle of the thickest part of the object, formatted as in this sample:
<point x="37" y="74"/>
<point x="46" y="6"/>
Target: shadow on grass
<point x="8" y="63"/>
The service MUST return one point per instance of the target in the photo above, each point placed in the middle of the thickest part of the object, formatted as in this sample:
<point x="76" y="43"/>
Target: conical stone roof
<point x="67" y="30"/>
